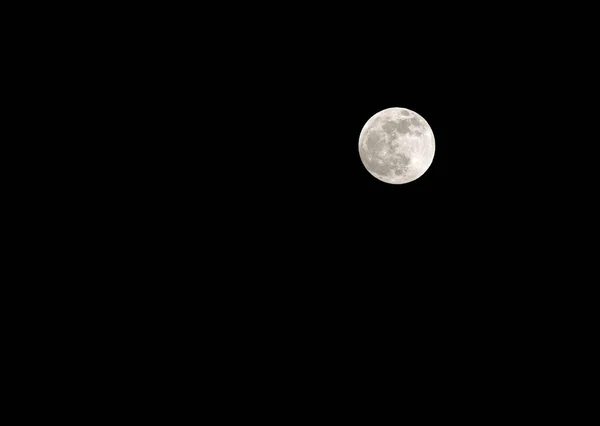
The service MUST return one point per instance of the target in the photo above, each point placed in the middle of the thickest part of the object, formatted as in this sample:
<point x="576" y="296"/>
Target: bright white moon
<point x="396" y="145"/>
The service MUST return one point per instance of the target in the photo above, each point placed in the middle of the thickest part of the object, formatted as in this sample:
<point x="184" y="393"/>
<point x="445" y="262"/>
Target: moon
<point x="396" y="145"/>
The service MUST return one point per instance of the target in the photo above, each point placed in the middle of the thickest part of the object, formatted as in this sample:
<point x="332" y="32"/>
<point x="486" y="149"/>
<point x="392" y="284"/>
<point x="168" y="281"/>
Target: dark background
<point x="200" y="194"/>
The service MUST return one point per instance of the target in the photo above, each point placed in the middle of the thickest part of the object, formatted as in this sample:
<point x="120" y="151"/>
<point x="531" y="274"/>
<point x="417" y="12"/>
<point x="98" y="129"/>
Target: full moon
<point x="396" y="145"/>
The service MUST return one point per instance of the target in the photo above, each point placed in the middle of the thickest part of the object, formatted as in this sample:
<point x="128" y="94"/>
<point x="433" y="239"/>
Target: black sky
<point x="202" y="166"/>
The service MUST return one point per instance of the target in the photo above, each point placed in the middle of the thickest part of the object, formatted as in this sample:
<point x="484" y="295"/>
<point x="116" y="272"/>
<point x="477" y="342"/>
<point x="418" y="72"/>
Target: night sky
<point x="209" y="171"/>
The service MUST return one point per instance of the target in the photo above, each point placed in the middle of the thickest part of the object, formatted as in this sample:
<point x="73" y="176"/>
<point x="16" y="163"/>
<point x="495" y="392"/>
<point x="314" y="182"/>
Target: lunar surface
<point x="396" y="145"/>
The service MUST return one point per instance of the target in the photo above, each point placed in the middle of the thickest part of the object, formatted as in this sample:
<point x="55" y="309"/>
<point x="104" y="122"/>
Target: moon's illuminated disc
<point x="396" y="145"/>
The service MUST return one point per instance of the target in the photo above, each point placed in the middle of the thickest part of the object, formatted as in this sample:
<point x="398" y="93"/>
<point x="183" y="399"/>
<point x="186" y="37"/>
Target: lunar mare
<point x="396" y="145"/>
